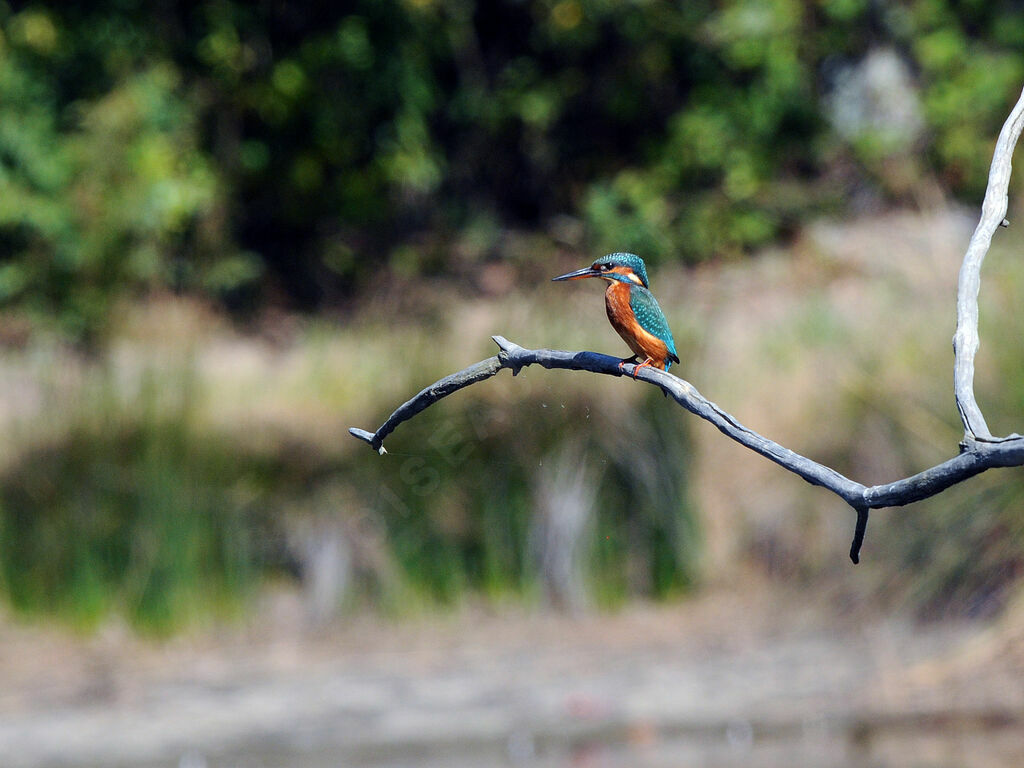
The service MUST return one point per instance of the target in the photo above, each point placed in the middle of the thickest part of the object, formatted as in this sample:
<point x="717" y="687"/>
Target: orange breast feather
<point x="642" y="343"/>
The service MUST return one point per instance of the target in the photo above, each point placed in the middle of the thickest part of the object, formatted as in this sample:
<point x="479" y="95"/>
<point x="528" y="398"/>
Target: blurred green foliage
<point x="89" y="215"/>
<point x="138" y="511"/>
<point x="131" y="512"/>
<point x="297" y="151"/>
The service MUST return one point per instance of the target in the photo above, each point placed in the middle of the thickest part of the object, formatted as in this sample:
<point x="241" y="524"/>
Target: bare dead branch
<point x="453" y="383"/>
<point x="978" y="457"/>
<point x="993" y="212"/>
<point x="979" y="450"/>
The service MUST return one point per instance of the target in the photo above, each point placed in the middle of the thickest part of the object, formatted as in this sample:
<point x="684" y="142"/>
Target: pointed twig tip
<point x="858" y="534"/>
<point x="366" y="437"/>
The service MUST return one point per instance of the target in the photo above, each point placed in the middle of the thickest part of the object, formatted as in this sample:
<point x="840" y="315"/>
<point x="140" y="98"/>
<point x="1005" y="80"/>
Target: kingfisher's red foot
<point x="644" y="364"/>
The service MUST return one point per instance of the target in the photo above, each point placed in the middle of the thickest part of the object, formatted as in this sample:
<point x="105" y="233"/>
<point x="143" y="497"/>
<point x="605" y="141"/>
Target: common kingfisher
<point x="632" y="309"/>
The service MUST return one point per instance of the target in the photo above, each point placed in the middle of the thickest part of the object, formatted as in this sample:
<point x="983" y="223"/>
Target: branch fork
<point x="979" y="449"/>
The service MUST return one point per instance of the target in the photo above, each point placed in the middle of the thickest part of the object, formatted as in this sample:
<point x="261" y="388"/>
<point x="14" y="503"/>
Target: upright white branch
<point x="993" y="214"/>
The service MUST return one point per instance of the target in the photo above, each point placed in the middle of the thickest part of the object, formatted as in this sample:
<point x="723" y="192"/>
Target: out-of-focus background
<point x="231" y="230"/>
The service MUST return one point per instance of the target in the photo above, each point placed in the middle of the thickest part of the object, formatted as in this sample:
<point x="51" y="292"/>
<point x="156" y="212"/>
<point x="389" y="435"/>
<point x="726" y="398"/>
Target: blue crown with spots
<point x="629" y="260"/>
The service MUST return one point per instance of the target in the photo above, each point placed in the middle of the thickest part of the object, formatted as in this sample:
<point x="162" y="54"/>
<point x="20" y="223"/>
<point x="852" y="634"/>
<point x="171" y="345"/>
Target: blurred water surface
<point x="971" y="748"/>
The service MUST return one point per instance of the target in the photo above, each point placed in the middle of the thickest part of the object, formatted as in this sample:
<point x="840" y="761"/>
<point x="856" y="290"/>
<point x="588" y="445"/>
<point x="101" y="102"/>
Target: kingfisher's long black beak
<point x="579" y="274"/>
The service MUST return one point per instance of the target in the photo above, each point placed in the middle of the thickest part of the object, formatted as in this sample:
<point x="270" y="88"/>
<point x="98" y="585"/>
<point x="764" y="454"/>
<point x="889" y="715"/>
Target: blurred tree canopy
<point x="288" y="151"/>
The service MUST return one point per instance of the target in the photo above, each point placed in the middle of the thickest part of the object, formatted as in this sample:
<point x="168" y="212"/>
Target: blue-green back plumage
<point x="651" y="318"/>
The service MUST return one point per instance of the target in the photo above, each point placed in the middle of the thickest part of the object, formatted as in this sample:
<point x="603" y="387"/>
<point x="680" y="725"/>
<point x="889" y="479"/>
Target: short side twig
<point x="859" y="530"/>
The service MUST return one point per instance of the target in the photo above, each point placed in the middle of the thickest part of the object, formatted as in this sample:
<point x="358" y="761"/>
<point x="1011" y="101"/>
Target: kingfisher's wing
<point x="651" y="318"/>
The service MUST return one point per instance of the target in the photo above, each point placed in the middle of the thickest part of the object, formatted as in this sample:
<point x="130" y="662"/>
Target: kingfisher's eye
<point x="604" y="267"/>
